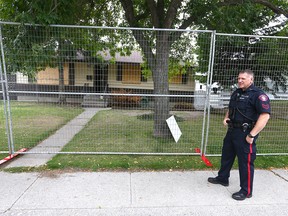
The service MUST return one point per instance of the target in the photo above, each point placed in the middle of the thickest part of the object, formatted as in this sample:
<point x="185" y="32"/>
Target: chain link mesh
<point x="112" y="81"/>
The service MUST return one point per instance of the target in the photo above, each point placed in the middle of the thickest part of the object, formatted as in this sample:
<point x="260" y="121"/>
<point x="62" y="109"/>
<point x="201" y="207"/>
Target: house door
<point x="71" y="74"/>
<point x="100" y="78"/>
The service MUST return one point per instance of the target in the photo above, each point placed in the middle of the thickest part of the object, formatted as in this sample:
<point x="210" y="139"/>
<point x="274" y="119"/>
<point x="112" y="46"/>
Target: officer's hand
<point x="249" y="140"/>
<point x="225" y="121"/>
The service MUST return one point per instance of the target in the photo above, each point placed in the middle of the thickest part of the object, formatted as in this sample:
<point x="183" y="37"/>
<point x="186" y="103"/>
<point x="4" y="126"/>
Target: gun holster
<point x="245" y="126"/>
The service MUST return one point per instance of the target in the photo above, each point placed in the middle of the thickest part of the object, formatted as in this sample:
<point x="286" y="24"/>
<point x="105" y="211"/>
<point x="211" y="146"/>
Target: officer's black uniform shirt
<point x="246" y="106"/>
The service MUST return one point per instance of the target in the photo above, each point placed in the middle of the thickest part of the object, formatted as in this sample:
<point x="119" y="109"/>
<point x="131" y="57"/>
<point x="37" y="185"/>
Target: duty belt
<point x="244" y="126"/>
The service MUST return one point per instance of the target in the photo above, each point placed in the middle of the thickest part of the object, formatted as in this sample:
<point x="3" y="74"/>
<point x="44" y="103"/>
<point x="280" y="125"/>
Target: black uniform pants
<point x="235" y="144"/>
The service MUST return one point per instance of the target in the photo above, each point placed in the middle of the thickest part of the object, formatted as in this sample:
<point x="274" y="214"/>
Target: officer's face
<point x="244" y="81"/>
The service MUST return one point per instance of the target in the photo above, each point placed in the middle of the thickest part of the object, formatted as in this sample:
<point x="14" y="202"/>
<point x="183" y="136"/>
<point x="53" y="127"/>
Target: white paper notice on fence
<point x="174" y="128"/>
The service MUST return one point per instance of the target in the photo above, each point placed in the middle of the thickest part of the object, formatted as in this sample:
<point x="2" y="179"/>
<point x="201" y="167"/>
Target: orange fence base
<point x="10" y="157"/>
<point x="205" y="160"/>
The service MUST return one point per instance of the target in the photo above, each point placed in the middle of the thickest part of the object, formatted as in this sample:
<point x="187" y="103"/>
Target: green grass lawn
<point x="128" y="131"/>
<point x="33" y="122"/>
<point x="138" y="163"/>
<point x="121" y="131"/>
<point x="97" y="136"/>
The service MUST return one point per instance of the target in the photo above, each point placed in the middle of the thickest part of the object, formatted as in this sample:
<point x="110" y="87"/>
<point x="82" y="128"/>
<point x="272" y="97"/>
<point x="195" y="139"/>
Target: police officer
<point x="249" y="112"/>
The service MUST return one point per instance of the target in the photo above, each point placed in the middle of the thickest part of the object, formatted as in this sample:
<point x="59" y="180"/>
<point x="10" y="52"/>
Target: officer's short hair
<point x="248" y="71"/>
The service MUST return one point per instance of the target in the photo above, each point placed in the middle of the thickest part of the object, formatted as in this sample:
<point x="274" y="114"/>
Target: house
<point x="111" y="75"/>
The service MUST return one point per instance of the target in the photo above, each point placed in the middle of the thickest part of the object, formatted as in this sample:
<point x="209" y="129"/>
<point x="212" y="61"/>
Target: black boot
<point x="217" y="181"/>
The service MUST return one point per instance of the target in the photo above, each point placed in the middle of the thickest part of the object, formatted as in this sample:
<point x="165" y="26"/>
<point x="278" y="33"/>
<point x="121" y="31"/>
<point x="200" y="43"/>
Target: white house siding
<point x="20" y="78"/>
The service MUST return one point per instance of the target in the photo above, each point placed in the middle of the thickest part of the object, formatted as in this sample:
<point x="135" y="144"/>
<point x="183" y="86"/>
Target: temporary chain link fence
<point x="268" y="59"/>
<point x="104" y="90"/>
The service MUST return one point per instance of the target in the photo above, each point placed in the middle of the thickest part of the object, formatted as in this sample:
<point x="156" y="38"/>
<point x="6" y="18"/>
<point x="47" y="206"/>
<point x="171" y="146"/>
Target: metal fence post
<point x="6" y="99"/>
<point x="205" y="131"/>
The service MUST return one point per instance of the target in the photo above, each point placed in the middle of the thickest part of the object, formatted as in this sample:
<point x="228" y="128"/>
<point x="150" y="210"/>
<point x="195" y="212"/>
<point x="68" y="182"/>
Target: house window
<point x="119" y="72"/>
<point x="89" y="77"/>
<point x="184" y="78"/>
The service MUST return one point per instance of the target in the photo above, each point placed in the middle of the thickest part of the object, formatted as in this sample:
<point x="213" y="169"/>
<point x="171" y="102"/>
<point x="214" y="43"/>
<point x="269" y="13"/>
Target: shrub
<point x="183" y="106"/>
<point x="123" y="100"/>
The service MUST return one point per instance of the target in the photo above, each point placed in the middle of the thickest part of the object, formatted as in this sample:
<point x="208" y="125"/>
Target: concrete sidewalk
<point x="139" y="193"/>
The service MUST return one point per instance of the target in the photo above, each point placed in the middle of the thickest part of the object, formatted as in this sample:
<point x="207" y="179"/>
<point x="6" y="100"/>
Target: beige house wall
<point x="113" y="83"/>
<point x="131" y="74"/>
<point x="131" y="77"/>
<point x="175" y="84"/>
<point x="82" y="72"/>
<point x="50" y="76"/>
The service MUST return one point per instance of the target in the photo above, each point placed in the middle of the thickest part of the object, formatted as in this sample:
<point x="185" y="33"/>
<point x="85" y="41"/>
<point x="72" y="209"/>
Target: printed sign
<point x="174" y="128"/>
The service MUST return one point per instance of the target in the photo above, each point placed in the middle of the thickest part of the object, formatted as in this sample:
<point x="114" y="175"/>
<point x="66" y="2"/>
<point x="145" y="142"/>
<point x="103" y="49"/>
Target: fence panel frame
<point x="225" y="98"/>
<point x="6" y="98"/>
<point x="9" y="117"/>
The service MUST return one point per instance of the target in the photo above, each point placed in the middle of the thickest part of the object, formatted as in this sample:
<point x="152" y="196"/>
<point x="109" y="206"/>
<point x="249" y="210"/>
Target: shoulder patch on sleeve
<point x="263" y="97"/>
<point x="266" y="106"/>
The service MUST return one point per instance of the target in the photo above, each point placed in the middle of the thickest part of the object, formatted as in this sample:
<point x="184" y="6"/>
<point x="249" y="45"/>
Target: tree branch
<point x="153" y="9"/>
<point x="230" y="2"/>
<point x="161" y="10"/>
<point x="171" y="13"/>
<point x="272" y="6"/>
<point x="129" y="12"/>
<point x="185" y="24"/>
<point x="265" y="3"/>
<point x="143" y="15"/>
<point x="140" y="38"/>
<point x="146" y="48"/>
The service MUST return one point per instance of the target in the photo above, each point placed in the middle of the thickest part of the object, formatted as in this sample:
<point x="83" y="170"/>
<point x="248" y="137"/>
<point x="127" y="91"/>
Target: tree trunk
<point x="161" y="87"/>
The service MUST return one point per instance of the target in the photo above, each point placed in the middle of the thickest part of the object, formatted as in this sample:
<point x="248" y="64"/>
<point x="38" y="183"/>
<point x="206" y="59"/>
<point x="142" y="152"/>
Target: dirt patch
<point x="58" y="173"/>
<point x="48" y="122"/>
<point x="188" y="115"/>
<point x="51" y="174"/>
<point x="135" y="112"/>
